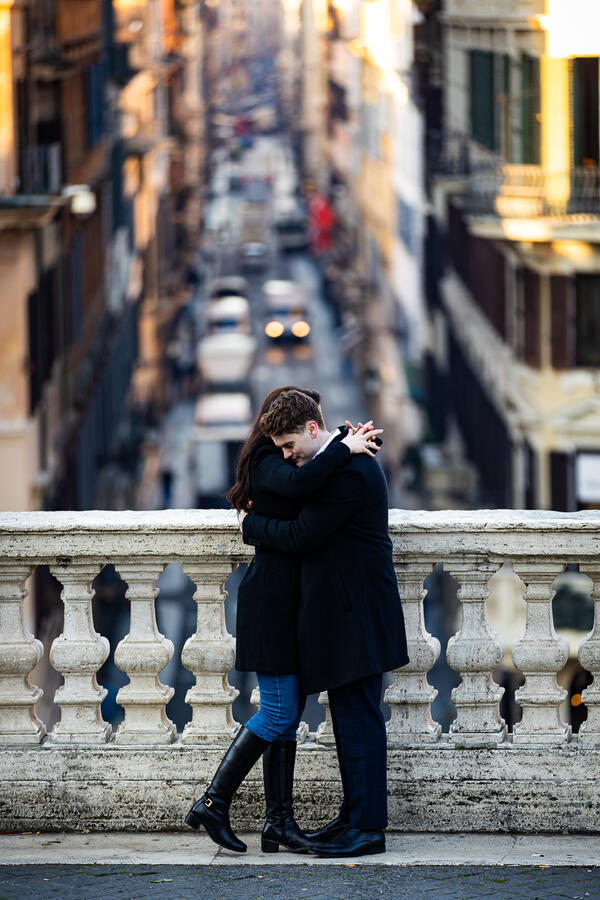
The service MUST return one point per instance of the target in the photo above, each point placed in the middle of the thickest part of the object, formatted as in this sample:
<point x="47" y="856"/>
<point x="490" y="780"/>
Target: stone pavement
<point x="463" y="866"/>
<point x="293" y="882"/>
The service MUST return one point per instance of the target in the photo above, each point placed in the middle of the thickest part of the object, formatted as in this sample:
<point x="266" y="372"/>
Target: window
<point x="584" y="106"/>
<point x="587" y="292"/>
<point x="95" y="78"/>
<point x="530" y="110"/>
<point x="406" y="225"/>
<point x="483" y="98"/>
<point x="562" y="328"/>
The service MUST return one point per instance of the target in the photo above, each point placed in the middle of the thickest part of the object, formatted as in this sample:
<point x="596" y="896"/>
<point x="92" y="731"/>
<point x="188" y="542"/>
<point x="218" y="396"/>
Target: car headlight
<point x="274" y="329"/>
<point x="300" y="329"/>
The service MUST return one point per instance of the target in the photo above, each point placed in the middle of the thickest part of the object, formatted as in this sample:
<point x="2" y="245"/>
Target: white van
<point x="228" y="314"/>
<point x="225" y="359"/>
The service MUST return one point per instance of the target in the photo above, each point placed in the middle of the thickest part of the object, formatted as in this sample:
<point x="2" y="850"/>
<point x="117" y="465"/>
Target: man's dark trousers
<point x="360" y="736"/>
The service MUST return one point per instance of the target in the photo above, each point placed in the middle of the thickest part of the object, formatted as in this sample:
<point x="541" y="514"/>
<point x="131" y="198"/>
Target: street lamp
<point x="82" y="199"/>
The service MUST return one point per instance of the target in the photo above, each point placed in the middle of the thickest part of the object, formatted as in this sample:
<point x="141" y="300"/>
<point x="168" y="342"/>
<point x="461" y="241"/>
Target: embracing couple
<point x="318" y="609"/>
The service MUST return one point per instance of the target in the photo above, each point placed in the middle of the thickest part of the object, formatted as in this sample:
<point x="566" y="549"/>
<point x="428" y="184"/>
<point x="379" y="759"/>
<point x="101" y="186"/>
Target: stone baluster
<point x="324" y="733"/>
<point x="410" y="695"/>
<point x="210" y="654"/>
<point x="19" y="654"/>
<point x="142" y="654"/>
<point x="474" y="652"/>
<point x="540" y="654"/>
<point x="77" y="654"/>
<point x="589" y="657"/>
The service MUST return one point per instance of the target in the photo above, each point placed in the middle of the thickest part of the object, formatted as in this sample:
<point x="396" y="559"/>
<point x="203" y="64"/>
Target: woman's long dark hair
<point x="239" y="494"/>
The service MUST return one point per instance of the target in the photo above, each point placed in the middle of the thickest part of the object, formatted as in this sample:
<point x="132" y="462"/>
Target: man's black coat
<point x="269" y="593"/>
<point x="350" y="621"/>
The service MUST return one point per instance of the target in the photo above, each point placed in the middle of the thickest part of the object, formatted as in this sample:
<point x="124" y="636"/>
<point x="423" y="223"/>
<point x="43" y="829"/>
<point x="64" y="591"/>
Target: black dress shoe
<point x="328" y="832"/>
<point x="352" y="842"/>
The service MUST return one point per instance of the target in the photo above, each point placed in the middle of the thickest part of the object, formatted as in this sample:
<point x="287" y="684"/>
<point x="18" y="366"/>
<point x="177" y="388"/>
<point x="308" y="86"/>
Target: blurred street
<point x="322" y="360"/>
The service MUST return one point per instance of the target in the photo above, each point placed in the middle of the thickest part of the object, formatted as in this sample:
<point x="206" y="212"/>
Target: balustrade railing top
<point x="530" y="764"/>
<point x="471" y="545"/>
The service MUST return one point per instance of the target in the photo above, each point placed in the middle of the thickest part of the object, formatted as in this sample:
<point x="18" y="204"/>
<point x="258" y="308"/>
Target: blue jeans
<point x="281" y="705"/>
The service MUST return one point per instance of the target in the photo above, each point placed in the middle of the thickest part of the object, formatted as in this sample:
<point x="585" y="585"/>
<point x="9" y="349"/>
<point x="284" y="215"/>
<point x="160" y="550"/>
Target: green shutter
<point x="530" y="110"/>
<point x="483" y="101"/>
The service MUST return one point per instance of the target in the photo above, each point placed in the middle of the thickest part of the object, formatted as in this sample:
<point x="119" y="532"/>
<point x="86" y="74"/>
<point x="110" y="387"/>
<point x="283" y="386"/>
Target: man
<point x="350" y="622"/>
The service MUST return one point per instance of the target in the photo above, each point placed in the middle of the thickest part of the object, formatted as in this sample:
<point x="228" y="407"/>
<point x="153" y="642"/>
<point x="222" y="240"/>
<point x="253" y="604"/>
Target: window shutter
<point x="561" y="331"/>
<point x="483" y="105"/>
<point x="531" y="306"/>
<point x="587" y="292"/>
<point x="560" y="482"/>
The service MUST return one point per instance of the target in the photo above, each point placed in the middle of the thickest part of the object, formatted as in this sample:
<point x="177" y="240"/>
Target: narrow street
<point x="320" y="362"/>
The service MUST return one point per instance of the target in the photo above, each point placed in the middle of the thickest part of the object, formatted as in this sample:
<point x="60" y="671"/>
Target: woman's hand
<point x="362" y="438"/>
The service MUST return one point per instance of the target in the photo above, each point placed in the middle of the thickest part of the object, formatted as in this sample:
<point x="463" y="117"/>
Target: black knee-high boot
<point x="212" y="809"/>
<point x="281" y="828"/>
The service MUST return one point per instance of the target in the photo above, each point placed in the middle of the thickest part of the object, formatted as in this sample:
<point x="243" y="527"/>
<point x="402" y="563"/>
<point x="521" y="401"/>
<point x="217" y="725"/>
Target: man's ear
<point x="313" y="429"/>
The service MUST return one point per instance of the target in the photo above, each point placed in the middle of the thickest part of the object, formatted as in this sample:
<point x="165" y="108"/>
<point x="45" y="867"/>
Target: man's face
<point x="300" y="446"/>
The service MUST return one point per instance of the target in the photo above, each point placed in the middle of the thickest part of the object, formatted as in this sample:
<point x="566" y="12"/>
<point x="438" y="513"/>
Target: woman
<point x="268" y="598"/>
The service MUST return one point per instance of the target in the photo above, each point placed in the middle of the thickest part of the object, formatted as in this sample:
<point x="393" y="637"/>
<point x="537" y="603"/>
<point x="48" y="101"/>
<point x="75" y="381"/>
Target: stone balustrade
<point x="478" y="776"/>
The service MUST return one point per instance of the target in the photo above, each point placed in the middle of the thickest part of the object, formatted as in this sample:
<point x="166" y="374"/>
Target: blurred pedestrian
<point x="267" y="609"/>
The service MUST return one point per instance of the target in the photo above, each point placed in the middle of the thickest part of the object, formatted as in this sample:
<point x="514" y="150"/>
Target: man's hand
<point x="362" y="439"/>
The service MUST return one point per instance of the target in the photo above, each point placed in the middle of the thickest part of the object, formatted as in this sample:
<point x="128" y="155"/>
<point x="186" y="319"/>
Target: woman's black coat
<point x="350" y="622"/>
<point x="269" y="593"/>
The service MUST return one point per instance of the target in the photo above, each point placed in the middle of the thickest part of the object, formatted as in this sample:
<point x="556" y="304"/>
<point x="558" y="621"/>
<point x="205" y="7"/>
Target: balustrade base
<point x="442" y="788"/>
<point x="15" y="739"/>
<point x="57" y="736"/>
<point x="195" y="736"/>
<point x="535" y="739"/>
<point x="475" y="740"/>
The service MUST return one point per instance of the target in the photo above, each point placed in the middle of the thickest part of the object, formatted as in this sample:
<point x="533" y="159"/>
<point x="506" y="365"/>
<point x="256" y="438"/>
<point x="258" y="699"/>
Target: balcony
<point x="476" y="777"/>
<point x="41" y="169"/>
<point x="516" y="201"/>
<point x="495" y="10"/>
<point x="527" y="191"/>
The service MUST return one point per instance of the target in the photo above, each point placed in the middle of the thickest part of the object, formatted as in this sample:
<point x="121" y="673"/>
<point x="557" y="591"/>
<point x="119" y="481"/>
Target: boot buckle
<point x="208" y="802"/>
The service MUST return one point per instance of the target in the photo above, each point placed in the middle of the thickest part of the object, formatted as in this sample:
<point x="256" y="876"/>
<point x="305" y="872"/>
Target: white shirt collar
<point x="332" y="434"/>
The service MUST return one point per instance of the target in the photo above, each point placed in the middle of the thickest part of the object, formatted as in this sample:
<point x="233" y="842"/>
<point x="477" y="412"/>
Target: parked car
<point x="285" y="302"/>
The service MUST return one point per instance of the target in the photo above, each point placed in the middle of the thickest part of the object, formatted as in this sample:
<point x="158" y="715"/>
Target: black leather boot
<point x="281" y="829"/>
<point x="212" y="809"/>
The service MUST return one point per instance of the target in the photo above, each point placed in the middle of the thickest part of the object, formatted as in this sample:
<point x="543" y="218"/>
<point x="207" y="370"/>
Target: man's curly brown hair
<point x="290" y="413"/>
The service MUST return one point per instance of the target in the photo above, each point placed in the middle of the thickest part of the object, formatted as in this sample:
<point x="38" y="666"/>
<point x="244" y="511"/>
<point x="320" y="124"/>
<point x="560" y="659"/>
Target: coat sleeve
<point x="273" y="473"/>
<point x="319" y="518"/>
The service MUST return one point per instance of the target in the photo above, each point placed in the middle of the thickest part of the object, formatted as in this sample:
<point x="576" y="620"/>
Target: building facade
<point x="92" y="100"/>
<point x="513" y="251"/>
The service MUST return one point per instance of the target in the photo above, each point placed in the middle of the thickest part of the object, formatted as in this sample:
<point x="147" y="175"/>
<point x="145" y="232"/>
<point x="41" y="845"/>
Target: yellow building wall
<point x="18" y="449"/>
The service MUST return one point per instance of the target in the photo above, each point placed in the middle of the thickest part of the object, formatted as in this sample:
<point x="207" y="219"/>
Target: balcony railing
<point x="525" y="191"/>
<point x="513" y="190"/>
<point x="477" y="776"/>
